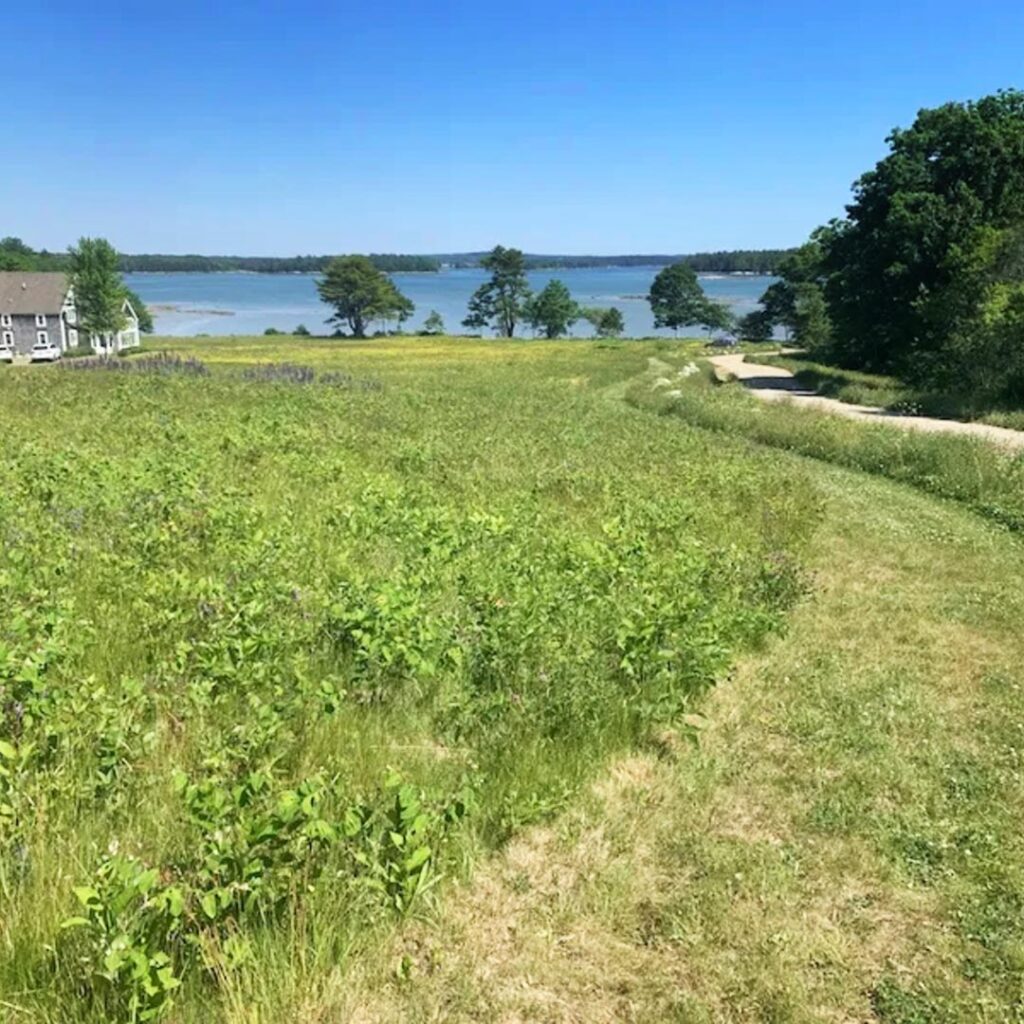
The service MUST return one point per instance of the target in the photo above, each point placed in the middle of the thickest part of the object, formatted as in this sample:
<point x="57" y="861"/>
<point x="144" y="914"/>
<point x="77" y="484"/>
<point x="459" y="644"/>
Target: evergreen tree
<point x="360" y="294"/>
<point x="499" y="302"/>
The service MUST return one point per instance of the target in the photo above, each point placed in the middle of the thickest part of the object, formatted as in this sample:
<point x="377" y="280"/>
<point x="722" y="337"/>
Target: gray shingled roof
<point x="24" y="293"/>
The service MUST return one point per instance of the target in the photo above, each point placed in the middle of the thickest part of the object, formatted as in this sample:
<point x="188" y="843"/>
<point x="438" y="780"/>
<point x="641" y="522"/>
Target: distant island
<point x="14" y="253"/>
<point x="750" y="261"/>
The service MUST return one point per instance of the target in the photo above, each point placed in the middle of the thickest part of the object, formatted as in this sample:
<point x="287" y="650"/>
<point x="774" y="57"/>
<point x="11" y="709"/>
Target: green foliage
<point x="302" y="331"/>
<point x="796" y="302"/>
<point x="360" y="293"/>
<point x="500" y="302"/>
<point x="730" y="261"/>
<point x="677" y="300"/>
<point x="716" y="316"/>
<point x="755" y="326"/>
<point x="126" y="923"/>
<point x="611" y="324"/>
<point x="392" y="846"/>
<point x="145" y="317"/>
<point x="99" y="292"/>
<point x="16" y="255"/>
<point x="434" y="323"/>
<point x="922" y="276"/>
<point x="552" y="311"/>
<point x="607" y="323"/>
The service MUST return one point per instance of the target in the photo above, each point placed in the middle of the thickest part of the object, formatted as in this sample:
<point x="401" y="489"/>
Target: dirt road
<point x="773" y="383"/>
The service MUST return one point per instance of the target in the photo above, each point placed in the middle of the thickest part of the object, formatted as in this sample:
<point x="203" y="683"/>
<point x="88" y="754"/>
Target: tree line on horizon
<point x="726" y="261"/>
<point x="923" y="278"/>
<point x="729" y="261"/>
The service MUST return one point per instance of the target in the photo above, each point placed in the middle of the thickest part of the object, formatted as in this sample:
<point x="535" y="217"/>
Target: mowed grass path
<point x="843" y="845"/>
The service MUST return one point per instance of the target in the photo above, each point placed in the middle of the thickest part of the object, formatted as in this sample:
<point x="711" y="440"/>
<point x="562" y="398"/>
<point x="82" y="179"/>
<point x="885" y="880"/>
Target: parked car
<point x="724" y="341"/>
<point x="6" y="353"/>
<point x="44" y="352"/>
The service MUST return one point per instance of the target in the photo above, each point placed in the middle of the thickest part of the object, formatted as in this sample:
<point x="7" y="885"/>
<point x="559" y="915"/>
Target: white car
<point x="6" y="354"/>
<point x="44" y="352"/>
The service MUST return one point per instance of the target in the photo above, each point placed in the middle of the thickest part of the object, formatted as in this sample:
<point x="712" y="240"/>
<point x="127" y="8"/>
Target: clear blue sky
<point x="279" y="128"/>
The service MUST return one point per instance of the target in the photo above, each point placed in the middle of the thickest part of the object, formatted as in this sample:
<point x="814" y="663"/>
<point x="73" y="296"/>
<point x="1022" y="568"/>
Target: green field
<point x="389" y="695"/>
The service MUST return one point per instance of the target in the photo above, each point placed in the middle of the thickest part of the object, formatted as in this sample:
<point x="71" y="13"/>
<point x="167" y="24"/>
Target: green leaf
<point x="417" y="859"/>
<point x="209" y="905"/>
<point x="7" y="751"/>
<point x="86" y="895"/>
<point x="146" y="880"/>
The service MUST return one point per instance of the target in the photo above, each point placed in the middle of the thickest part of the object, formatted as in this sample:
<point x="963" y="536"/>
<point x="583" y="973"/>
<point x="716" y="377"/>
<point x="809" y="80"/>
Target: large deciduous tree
<point x="552" y="311"/>
<point x="500" y="301"/>
<point x="676" y="298"/>
<point x="360" y="294"/>
<point x="99" y="291"/>
<point x="955" y="175"/>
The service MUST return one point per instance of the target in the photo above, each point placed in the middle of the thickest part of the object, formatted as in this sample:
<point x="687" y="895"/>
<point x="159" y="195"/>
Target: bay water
<point x="185" y="304"/>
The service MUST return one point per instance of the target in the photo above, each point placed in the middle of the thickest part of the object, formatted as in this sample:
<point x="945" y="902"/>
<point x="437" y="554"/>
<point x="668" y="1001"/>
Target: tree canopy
<point x="434" y="323"/>
<point x="678" y="300"/>
<point x="552" y="311"/>
<point x="360" y="294"/>
<point x="924" y="276"/>
<point x="607" y="323"/>
<point x="99" y="291"/>
<point x="500" y="301"/>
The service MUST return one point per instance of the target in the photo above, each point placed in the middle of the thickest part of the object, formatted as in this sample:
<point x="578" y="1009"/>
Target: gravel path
<point x="773" y="383"/>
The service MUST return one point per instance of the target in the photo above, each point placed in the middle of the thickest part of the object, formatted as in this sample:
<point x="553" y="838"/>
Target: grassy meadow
<point x="280" y="654"/>
<point x="425" y="679"/>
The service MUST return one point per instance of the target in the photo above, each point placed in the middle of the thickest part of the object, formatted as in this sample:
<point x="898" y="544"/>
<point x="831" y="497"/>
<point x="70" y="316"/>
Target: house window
<point x="73" y="338"/>
<point x="9" y="338"/>
<point x="40" y="319"/>
<point x="42" y="338"/>
<point x="5" y="319"/>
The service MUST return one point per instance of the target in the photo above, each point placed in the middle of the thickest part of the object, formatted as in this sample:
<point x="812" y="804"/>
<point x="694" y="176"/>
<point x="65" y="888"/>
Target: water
<point x="240" y="303"/>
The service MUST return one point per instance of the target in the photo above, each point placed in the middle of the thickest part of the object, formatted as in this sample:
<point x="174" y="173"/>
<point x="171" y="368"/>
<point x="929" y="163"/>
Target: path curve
<point x="773" y="383"/>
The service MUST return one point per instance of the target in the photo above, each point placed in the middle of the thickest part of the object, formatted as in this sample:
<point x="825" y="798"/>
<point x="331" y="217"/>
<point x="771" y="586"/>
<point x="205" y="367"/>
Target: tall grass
<point x="884" y="392"/>
<point x="972" y="472"/>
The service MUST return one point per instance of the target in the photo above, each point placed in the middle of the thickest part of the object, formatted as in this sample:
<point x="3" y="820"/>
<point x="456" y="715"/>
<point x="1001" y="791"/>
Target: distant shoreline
<point x="444" y="270"/>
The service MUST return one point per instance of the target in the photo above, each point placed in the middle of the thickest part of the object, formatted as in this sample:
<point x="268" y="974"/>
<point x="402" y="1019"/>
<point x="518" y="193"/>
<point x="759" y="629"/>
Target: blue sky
<point x="280" y="128"/>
